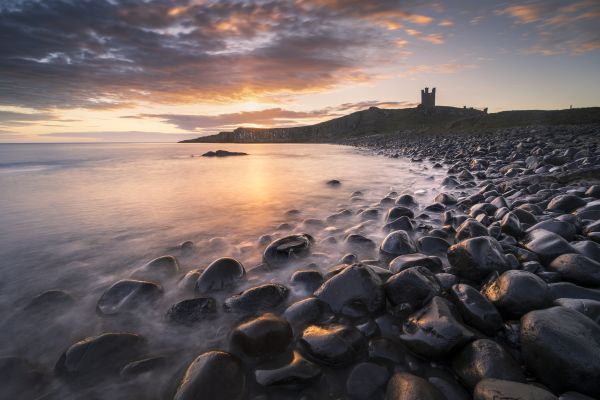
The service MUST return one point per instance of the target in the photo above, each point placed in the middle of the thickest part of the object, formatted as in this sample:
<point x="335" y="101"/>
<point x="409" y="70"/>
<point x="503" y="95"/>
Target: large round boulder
<point x="395" y="244"/>
<point x="215" y="375"/>
<point x="547" y="245"/>
<point x="562" y="348"/>
<point x="476" y="309"/>
<point x="264" y="336"/>
<point x="333" y="345"/>
<point x="496" y="389"/>
<point x="220" y="274"/>
<point x="476" y="258"/>
<point x="412" y="288"/>
<point x="577" y="269"/>
<point x="287" y="249"/>
<point x="356" y="291"/>
<point x="128" y="296"/>
<point x="263" y="298"/>
<point x="517" y="292"/>
<point x="405" y="386"/>
<point x="192" y="311"/>
<point x="160" y="269"/>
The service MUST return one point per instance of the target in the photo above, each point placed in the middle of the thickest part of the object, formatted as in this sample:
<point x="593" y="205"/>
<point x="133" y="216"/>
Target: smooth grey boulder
<point x="570" y="290"/>
<point x="395" y="244"/>
<point x="435" y="330"/>
<point x="405" y="386"/>
<point x="412" y="288"/>
<point x="546" y="245"/>
<point x="214" y="375"/>
<point x="287" y="249"/>
<point x="307" y="312"/>
<point x="264" y="336"/>
<point x="516" y="292"/>
<point x="333" y="345"/>
<point x="99" y="356"/>
<point x="293" y="375"/>
<point x="160" y="269"/>
<point x="496" y="389"/>
<point x="405" y="261"/>
<point x="192" y="311"/>
<point x="589" y="308"/>
<point x="477" y="258"/>
<point x="562" y="348"/>
<point x="356" y="291"/>
<point x="258" y="299"/>
<point x="485" y="359"/>
<point x="566" y="203"/>
<point x="220" y="274"/>
<point x="577" y="269"/>
<point x="366" y="381"/>
<point x="476" y="309"/>
<point x="128" y="296"/>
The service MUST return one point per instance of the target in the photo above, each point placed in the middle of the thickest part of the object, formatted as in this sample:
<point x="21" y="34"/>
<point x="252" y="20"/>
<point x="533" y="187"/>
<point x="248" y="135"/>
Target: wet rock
<point x="566" y="203"/>
<point x="220" y="274"/>
<point x="350" y="258"/>
<point x="405" y="261"/>
<point x="412" y="288"/>
<point x="223" y="153"/>
<point x="406" y="200"/>
<point x="511" y="225"/>
<point x="192" y="311"/>
<point x="476" y="310"/>
<point x="355" y="292"/>
<point x="366" y="381"/>
<point x="334" y="182"/>
<point x="495" y="389"/>
<point x="139" y="367"/>
<point x="405" y="386"/>
<point x="356" y="240"/>
<point x="214" y="375"/>
<point x="160" y="269"/>
<point x="564" y="229"/>
<point x="589" y="308"/>
<point x="525" y="216"/>
<point x="577" y="269"/>
<point x="370" y="214"/>
<point x="307" y="312"/>
<point x="258" y="299"/>
<point x="432" y="245"/>
<point x="265" y="336"/>
<point x="395" y="244"/>
<point x="516" y="292"/>
<point x="400" y="224"/>
<point x="397" y="212"/>
<point x="287" y="249"/>
<point x="99" y="356"/>
<point x="470" y="228"/>
<point x="294" y="375"/>
<point x="21" y="379"/>
<point x="570" y="290"/>
<point x="333" y="345"/>
<point x="546" y="245"/>
<point x="307" y="280"/>
<point x="485" y="359"/>
<point x="188" y="282"/>
<point x="435" y="330"/>
<point x="476" y="258"/>
<point x="50" y="301"/>
<point x="446" y="280"/>
<point x="562" y="348"/>
<point x="588" y="248"/>
<point x="128" y="296"/>
<point x="445" y="198"/>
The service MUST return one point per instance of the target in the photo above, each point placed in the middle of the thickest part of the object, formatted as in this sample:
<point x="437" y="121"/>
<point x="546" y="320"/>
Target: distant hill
<point x="376" y="121"/>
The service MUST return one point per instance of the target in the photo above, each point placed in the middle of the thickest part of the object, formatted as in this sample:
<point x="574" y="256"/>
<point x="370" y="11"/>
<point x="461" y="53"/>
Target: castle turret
<point x="427" y="98"/>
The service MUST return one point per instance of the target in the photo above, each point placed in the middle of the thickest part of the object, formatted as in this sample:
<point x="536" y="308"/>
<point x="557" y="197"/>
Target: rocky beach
<point x="487" y="290"/>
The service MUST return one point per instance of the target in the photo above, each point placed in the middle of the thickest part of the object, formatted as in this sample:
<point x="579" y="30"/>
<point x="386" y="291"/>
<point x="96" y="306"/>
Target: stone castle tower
<point x="427" y="98"/>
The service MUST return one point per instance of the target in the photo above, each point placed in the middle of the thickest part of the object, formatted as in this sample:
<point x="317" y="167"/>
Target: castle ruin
<point x="427" y="98"/>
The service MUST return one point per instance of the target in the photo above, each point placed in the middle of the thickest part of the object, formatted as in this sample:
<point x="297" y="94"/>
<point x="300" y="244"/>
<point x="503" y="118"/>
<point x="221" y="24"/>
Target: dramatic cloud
<point x="571" y="28"/>
<point x="104" y="54"/>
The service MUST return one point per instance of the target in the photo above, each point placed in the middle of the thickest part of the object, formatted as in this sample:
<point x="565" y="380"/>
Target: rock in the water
<point x="307" y="312"/>
<point x="334" y="182"/>
<point x="192" y="311"/>
<point x="485" y="359"/>
<point x="264" y="336"/>
<point x="577" y="269"/>
<point x="333" y="345"/>
<point x="220" y="274"/>
<point x="366" y="381"/>
<point x="307" y="280"/>
<point x="412" y="288"/>
<point x="432" y="245"/>
<point x="263" y="298"/>
<point x="215" y="375"/>
<point x="547" y="245"/>
<point x="405" y="261"/>
<point x="435" y="330"/>
<point x="223" y="153"/>
<point x="477" y="258"/>
<point x="405" y="386"/>
<point x="356" y="291"/>
<point x="517" y="292"/>
<point x="397" y="243"/>
<point x="127" y="296"/>
<point x="287" y="249"/>
<point x="495" y="389"/>
<point x="160" y="269"/>
<point x="99" y="356"/>
<point x="476" y="310"/>
<point x="397" y="212"/>
<point x="50" y="301"/>
<point x="139" y="367"/>
<point x="562" y="348"/>
<point x="291" y="376"/>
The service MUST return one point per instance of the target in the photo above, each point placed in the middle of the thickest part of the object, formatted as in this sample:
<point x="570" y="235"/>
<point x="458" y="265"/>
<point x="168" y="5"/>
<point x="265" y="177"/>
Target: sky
<point x="165" y="70"/>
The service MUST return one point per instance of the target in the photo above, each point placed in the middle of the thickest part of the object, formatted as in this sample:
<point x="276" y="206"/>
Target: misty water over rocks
<point x="470" y="271"/>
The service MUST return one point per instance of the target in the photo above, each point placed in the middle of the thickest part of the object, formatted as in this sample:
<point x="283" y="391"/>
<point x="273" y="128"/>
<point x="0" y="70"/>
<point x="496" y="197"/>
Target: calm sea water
<point x="79" y="217"/>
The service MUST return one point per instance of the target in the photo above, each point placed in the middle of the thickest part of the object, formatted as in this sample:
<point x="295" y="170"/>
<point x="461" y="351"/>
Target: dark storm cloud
<point x="101" y="53"/>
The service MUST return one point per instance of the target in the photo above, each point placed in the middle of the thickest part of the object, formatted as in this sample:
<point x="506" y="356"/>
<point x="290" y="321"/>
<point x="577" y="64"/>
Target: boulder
<point x="477" y="258"/>
<point x="264" y="336"/>
<point x="192" y="311"/>
<point x="263" y="298"/>
<point x="405" y="386"/>
<point x="128" y="296"/>
<point x="220" y="274"/>
<point x="476" y="309"/>
<point x="495" y="389"/>
<point x="293" y="375"/>
<point x="577" y="269"/>
<point x="287" y="249"/>
<point x="158" y="270"/>
<point x="333" y="345"/>
<point x="517" y="292"/>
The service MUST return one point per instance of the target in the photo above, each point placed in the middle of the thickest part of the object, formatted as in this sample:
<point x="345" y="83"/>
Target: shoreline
<point x="501" y="271"/>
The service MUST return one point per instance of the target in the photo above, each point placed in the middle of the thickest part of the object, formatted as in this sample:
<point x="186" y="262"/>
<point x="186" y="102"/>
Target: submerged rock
<point x="258" y="299"/>
<point x="223" y="153"/>
<point x="220" y="274"/>
<point x="160" y="269"/>
<point x="127" y="296"/>
<point x="215" y="375"/>
<point x="192" y="311"/>
<point x="287" y="249"/>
